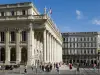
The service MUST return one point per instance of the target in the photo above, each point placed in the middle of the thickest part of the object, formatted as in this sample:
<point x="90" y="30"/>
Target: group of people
<point x="46" y="67"/>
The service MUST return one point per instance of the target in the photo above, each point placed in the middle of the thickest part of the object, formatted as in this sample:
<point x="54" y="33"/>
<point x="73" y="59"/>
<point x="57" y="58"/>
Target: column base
<point x="30" y="62"/>
<point x="18" y="61"/>
<point x="7" y="62"/>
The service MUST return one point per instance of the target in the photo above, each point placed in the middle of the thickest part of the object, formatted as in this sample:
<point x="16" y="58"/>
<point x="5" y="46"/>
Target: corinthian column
<point x="18" y="51"/>
<point x="50" y="48"/>
<point x="47" y="47"/>
<point x="30" y="45"/>
<point x="44" y="45"/>
<point x="7" y="48"/>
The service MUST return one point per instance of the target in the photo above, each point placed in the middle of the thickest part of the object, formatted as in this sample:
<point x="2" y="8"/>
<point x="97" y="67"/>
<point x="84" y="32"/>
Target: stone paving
<point x="20" y="71"/>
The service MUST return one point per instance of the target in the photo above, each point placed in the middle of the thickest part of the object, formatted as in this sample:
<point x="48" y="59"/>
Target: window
<point x="12" y="13"/>
<point x="70" y="45"/>
<point x="84" y="39"/>
<point x="84" y="51"/>
<point x="91" y="39"/>
<point x="2" y="36"/>
<point x="23" y="12"/>
<point x="2" y="13"/>
<point x="88" y="51"/>
<point x="81" y="39"/>
<point x="23" y="35"/>
<point x="84" y="44"/>
<point x="63" y="39"/>
<point x="12" y="36"/>
<point x="91" y="51"/>
<point x="87" y="38"/>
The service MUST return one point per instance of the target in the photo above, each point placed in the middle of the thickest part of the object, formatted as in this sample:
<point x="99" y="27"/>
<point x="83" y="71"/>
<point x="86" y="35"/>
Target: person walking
<point x="57" y="67"/>
<point x="78" y="67"/>
<point x="50" y="67"/>
<point x="32" y="67"/>
<point x="70" y="66"/>
<point x="25" y="69"/>
<point x="94" y="66"/>
<point x="42" y="67"/>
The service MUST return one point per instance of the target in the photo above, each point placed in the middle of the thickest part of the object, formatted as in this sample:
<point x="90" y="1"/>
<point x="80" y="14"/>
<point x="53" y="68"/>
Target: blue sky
<point x="70" y="15"/>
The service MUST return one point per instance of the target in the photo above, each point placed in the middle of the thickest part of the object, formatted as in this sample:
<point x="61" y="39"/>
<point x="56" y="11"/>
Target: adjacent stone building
<point x="28" y="37"/>
<point x="81" y="47"/>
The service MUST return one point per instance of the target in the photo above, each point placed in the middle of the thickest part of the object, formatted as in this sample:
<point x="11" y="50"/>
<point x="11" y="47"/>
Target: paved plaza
<point x="64" y="70"/>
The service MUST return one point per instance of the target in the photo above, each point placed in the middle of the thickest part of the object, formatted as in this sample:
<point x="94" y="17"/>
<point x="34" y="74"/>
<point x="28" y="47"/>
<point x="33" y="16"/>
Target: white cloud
<point x="96" y="22"/>
<point x="79" y="14"/>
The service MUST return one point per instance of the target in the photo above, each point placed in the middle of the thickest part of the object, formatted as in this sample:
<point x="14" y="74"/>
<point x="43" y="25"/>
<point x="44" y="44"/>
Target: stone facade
<point x="28" y="37"/>
<point x="81" y="47"/>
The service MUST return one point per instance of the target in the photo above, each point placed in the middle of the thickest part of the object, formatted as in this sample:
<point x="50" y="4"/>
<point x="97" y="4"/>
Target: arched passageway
<point x="2" y="54"/>
<point x="13" y="54"/>
<point x="24" y="55"/>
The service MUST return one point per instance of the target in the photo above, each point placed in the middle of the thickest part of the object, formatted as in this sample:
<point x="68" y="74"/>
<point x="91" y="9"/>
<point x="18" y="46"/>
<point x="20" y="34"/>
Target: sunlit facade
<point x="28" y="37"/>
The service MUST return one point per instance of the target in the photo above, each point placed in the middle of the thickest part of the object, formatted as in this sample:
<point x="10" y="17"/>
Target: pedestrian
<point x="25" y="69"/>
<point x="77" y="66"/>
<point x="57" y="67"/>
<point x="54" y="65"/>
<point x="94" y="66"/>
<point x="36" y="68"/>
<point x="32" y="67"/>
<point x="50" y="67"/>
<point x="70" y="66"/>
<point x="42" y="67"/>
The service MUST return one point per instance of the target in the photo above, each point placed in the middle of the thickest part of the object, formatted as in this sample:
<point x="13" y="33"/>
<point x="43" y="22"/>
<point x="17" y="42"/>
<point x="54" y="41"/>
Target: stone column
<point x="55" y="53"/>
<point x="53" y="50"/>
<point x="0" y="53"/>
<point x="30" y="44"/>
<point x="50" y="48"/>
<point x="44" y="45"/>
<point x="47" y="47"/>
<point x="0" y="37"/>
<point x="18" y="50"/>
<point x="7" y="61"/>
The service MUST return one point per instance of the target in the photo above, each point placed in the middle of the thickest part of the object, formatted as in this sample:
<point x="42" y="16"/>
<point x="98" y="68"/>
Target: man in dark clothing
<point x="50" y="67"/>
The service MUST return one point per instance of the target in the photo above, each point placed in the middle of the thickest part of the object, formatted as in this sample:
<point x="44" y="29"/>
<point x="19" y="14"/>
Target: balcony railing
<point x="23" y="17"/>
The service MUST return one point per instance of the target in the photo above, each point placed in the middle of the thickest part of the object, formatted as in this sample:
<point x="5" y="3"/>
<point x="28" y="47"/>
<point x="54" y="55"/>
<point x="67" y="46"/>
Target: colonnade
<point x="52" y="49"/>
<point x="41" y="43"/>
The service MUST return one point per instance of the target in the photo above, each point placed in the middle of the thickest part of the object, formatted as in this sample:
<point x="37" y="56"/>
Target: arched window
<point x="2" y="53"/>
<point x="13" y="54"/>
<point x="23" y="55"/>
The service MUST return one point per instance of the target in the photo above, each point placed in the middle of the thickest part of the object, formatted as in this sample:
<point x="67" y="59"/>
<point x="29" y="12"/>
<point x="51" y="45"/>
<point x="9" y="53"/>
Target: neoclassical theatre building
<point x="26" y="36"/>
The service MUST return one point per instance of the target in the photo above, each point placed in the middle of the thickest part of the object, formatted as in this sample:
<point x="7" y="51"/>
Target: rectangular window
<point x="2" y="13"/>
<point x="12" y="36"/>
<point x="91" y="51"/>
<point x="84" y="51"/>
<point x="12" y="13"/>
<point x="2" y="36"/>
<point x="23" y="12"/>
<point x="23" y="35"/>
<point x="63" y="39"/>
